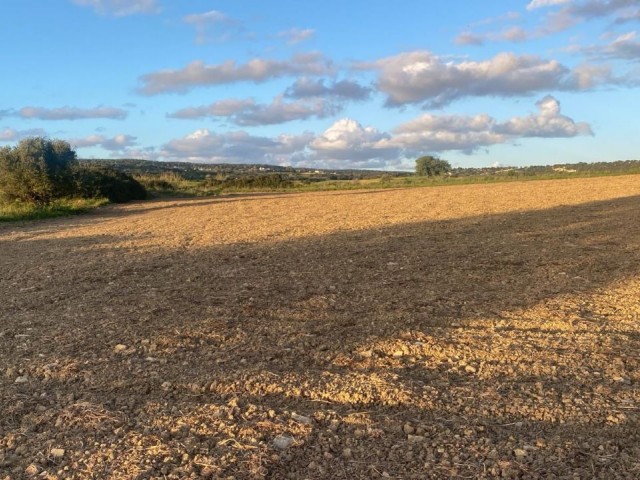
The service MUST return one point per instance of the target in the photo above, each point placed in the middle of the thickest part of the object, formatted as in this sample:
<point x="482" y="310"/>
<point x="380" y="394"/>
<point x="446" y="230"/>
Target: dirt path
<point x="462" y="332"/>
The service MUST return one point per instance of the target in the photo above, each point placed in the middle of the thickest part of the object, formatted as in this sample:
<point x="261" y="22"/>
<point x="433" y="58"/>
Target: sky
<point x="329" y="84"/>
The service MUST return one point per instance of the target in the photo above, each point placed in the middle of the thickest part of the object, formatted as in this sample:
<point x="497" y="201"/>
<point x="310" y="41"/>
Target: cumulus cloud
<point x="212" y="20"/>
<point x="547" y="123"/>
<point x="249" y="113"/>
<point x="113" y="144"/>
<point x="120" y="8"/>
<point x="424" y="78"/>
<point x="294" y="36"/>
<point x="234" y="147"/>
<point x="348" y="140"/>
<point x="343" y="89"/>
<point x="258" y="70"/>
<point x="433" y="133"/>
<point x="12" y="135"/>
<point x="72" y="113"/>
<point x="349" y="144"/>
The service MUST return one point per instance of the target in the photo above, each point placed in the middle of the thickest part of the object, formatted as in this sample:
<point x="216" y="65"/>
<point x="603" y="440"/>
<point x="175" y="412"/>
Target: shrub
<point x="37" y="170"/>
<point x="271" y="181"/>
<point x="94" y="181"/>
<point x="429" y="166"/>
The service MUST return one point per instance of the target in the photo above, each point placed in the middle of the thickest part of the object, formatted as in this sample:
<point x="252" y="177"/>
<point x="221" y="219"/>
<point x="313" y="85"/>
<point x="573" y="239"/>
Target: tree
<point x="429" y="166"/>
<point x="37" y="170"/>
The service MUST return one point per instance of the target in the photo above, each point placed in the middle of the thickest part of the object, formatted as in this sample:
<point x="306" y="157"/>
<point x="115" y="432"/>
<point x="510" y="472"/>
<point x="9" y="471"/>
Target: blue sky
<point x="335" y="84"/>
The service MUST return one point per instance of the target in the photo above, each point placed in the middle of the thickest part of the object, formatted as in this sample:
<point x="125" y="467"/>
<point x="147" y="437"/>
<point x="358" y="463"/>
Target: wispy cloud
<point x="258" y="70"/>
<point x="294" y="36"/>
<point x="234" y="147"/>
<point x="342" y="90"/>
<point x="12" y="135"/>
<point x="509" y="34"/>
<point x="534" y="4"/>
<point x="213" y="25"/>
<point x="72" y="113"/>
<point x="622" y="47"/>
<point x="120" y="8"/>
<point x="114" y="144"/>
<point x="249" y="113"/>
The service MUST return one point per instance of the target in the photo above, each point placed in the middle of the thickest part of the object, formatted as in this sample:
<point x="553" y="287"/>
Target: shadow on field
<point x="384" y="321"/>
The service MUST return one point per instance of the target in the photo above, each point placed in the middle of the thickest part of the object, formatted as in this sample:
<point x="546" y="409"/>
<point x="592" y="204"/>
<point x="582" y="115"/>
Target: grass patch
<point x="14" y="211"/>
<point x="172" y="184"/>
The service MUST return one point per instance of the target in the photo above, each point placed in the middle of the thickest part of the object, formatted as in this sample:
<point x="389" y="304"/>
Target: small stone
<point x="301" y="419"/>
<point x="282" y="442"/>
<point x="408" y="429"/>
<point x="520" y="453"/>
<point x="346" y="453"/>
<point x="119" y="348"/>
<point x="31" y="470"/>
<point x="166" y="385"/>
<point x="415" y="438"/>
<point x="470" y="369"/>
<point x="22" y="379"/>
<point x="57" y="452"/>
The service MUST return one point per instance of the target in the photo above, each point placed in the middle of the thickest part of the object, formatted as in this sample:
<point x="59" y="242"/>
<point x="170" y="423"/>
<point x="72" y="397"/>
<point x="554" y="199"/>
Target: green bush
<point x="37" y="171"/>
<point x="105" y="182"/>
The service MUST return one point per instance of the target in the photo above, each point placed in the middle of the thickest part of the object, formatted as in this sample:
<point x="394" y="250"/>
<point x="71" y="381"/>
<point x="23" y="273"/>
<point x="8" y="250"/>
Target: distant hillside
<point x="198" y="171"/>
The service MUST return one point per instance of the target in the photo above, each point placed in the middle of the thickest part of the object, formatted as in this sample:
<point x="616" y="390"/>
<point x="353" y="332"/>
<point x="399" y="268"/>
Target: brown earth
<point x="459" y="332"/>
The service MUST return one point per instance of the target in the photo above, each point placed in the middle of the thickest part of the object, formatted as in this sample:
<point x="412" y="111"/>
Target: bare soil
<point x="459" y="332"/>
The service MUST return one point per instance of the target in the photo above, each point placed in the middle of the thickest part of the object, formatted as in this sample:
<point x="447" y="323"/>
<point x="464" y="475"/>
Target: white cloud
<point x="120" y="8"/>
<point x="258" y="70"/>
<point x="545" y="3"/>
<point x="347" y="140"/>
<point x="249" y="113"/>
<point x="547" y="123"/>
<point x="213" y="20"/>
<point x="576" y="12"/>
<point x="343" y="89"/>
<point x="297" y="35"/>
<point x="509" y="34"/>
<point x="12" y="135"/>
<point x="72" y="113"/>
<point x="432" y="133"/>
<point x="421" y="77"/>
<point x="117" y="143"/>
<point x="234" y="147"/>
<point x="625" y="47"/>
<point x="349" y="144"/>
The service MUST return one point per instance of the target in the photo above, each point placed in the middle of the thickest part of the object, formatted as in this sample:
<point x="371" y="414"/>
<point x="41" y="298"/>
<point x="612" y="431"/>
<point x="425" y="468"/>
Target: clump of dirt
<point x="460" y="332"/>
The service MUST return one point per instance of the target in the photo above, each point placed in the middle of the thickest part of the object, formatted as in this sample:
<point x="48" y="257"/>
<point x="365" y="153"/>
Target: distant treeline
<point x="621" y="166"/>
<point x="245" y="175"/>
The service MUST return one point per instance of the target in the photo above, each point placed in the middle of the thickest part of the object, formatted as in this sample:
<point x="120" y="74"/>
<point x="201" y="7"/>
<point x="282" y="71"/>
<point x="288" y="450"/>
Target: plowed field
<point x="457" y="332"/>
